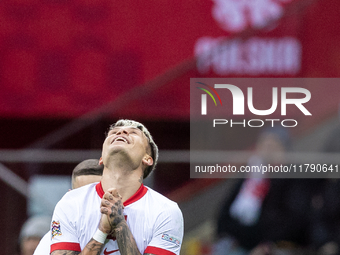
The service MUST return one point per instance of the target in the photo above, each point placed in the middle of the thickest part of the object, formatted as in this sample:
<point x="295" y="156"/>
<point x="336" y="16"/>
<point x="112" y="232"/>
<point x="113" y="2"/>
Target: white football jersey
<point x="155" y="222"/>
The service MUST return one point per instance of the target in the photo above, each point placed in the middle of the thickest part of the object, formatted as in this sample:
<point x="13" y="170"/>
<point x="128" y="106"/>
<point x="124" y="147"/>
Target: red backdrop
<point x="62" y="58"/>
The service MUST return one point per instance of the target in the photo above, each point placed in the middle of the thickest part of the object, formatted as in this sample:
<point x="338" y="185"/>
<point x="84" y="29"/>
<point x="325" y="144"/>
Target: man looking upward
<point x="119" y="215"/>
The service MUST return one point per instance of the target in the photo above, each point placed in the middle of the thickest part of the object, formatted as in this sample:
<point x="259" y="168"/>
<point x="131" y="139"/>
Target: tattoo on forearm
<point x="126" y="242"/>
<point x="94" y="246"/>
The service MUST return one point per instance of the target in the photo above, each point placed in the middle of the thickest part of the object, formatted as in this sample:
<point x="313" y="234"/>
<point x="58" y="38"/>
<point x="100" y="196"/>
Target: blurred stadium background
<point x="70" y="68"/>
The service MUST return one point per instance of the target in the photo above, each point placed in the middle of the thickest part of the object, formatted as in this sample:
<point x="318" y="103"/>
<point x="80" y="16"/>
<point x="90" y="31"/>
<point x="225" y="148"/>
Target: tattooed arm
<point x="113" y="221"/>
<point x="92" y="248"/>
<point x="126" y="241"/>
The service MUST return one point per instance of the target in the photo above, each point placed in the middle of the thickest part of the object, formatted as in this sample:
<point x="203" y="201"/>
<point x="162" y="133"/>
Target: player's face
<point x="127" y="141"/>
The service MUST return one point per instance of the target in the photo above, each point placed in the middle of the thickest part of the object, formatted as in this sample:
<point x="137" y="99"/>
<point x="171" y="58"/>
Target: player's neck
<point x="126" y="182"/>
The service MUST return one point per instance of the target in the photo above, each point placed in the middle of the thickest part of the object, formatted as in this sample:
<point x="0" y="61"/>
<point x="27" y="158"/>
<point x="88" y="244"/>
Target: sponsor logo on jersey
<point x="109" y="252"/>
<point x="55" y="230"/>
<point x="171" y="239"/>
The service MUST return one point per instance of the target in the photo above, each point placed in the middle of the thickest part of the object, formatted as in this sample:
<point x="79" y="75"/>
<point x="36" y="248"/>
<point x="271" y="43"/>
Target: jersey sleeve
<point x="44" y="245"/>
<point x="168" y="234"/>
<point x="63" y="226"/>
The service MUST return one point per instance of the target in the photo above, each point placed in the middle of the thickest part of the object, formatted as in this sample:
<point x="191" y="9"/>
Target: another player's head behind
<point x="31" y="233"/>
<point x="132" y="147"/>
<point x="86" y="172"/>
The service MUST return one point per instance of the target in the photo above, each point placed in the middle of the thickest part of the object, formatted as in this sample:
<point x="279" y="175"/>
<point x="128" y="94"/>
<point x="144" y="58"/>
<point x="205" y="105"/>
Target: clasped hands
<point x="112" y="209"/>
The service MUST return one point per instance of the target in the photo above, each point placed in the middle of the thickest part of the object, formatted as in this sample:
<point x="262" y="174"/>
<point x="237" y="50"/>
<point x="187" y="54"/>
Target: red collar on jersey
<point x="138" y="195"/>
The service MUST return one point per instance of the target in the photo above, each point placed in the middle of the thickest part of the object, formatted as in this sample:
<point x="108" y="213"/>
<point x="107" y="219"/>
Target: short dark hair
<point x="88" y="167"/>
<point x="152" y="144"/>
